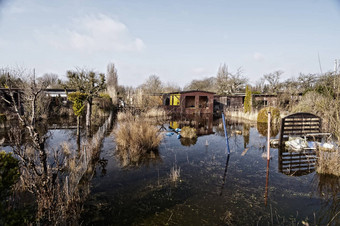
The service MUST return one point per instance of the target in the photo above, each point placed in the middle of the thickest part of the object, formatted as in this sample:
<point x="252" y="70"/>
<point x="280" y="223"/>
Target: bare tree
<point x="236" y="81"/>
<point x="51" y="80"/>
<point x="274" y="80"/>
<point x="227" y="82"/>
<point x="171" y="87"/>
<point x="222" y="80"/>
<point x="112" y="82"/>
<point x="206" y="84"/>
<point x="152" y="85"/>
<point x="306" y="81"/>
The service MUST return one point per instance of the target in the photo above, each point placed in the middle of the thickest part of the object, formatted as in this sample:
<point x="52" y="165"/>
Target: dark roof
<point x="192" y="91"/>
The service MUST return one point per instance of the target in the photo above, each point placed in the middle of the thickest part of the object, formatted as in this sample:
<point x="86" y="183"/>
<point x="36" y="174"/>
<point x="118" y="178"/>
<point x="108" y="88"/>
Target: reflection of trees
<point x="328" y="187"/>
<point x="246" y="133"/>
<point x="262" y="128"/>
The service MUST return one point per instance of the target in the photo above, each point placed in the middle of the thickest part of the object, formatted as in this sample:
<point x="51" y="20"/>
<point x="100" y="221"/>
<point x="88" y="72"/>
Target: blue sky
<point x="177" y="40"/>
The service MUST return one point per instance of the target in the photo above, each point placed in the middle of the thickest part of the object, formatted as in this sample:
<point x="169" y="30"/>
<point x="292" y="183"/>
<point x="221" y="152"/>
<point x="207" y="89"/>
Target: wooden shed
<point x="190" y="102"/>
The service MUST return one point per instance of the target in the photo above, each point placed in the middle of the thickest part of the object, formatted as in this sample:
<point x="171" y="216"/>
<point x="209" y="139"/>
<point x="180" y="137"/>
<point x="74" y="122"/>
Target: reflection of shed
<point x="190" y="102"/>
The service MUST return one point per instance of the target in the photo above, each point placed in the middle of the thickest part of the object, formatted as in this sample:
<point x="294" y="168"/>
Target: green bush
<point x="78" y="99"/>
<point x="262" y="116"/>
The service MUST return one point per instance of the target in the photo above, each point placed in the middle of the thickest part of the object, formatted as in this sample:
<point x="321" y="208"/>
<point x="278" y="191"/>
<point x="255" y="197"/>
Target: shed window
<point x="190" y="101"/>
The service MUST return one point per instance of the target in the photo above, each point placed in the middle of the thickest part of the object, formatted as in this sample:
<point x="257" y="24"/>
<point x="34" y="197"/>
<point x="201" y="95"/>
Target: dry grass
<point x="328" y="162"/>
<point x="188" y="132"/>
<point x="240" y="114"/>
<point x="124" y="116"/>
<point x="155" y="112"/>
<point x="136" y="139"/>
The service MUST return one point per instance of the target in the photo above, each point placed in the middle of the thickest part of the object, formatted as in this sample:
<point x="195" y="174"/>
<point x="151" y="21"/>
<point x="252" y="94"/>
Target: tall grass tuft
<point x="136" y="138"/>
<point x="328" y="162"/>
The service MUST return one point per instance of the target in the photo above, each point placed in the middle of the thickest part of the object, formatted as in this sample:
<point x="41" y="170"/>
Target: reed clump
<point x="136" y="138"/>
<point x="188" y="132"/>
<point x="328" y="162"/>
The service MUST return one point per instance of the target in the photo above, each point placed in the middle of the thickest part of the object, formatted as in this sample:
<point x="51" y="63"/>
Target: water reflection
<point x="130" y="159"/>
<point x="296" y="163"/>
<point x="225" y="174"/>
<point x="262" y="128"/>
<point x="328" y="187"/>
<point x="203" y="123"/>
<point x="267" y="182"/>
<point x="188" y="141"/>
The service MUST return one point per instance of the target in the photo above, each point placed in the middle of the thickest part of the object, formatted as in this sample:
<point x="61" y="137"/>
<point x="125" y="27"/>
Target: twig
<point x="329" y="223"/>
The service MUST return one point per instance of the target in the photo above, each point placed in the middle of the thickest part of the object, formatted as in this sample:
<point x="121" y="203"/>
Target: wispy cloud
<point x="258" y="56"/>
<point x="94" y="33"/>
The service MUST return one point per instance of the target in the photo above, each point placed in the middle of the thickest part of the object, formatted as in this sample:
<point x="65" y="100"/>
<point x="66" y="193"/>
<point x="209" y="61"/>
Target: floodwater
<point x="213" y="188"/>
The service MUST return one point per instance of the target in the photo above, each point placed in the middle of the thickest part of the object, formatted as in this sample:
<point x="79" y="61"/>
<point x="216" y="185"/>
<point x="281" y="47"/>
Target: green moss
<point x="262" y="116"/>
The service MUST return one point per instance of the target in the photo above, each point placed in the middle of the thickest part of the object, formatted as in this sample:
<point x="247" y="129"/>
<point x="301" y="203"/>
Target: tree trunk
<point x="88" y="113"/>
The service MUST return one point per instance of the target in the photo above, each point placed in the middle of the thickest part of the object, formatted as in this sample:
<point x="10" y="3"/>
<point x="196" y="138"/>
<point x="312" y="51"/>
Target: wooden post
<point x="268" y="136"/>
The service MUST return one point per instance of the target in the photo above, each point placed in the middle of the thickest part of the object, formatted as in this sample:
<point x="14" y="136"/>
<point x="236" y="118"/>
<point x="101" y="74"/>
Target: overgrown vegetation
<point x="136" y="140"/>
<point x="328" y="162"/>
